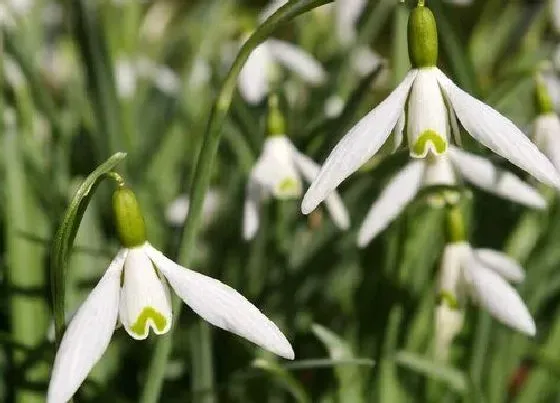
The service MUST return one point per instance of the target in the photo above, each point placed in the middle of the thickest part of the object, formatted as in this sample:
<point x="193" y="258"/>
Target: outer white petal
<point x="358" y="145"/>
<point x="145" y="300"/>
<point x="547" y="136"/>
<point x="501" y="263"/>
<point x="399" y="192"/>
<point x="452" y="263"/>
<point x="480" y="172"/>
<point x="251" y="209"/>
<point x="222" y="306"/>
<point x="309" y="169"/>
<point x="449" y="323"/>
<point x="297" y="61"/>
<point x="498" y="133"/>
<point x="498" y="297"/>
<point x="88" y="334"/>
<point x="253" y="78"/>
<point x="399" y="130"/>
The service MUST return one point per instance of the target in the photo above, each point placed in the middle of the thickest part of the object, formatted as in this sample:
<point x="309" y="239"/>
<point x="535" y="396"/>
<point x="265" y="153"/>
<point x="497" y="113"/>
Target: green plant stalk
<point x="154" y="379"/>
<point x="28" y="311"/>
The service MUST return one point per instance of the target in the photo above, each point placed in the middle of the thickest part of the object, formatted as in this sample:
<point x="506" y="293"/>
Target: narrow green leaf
<point x="283" y="378"/>
<point x="433" y="369"/>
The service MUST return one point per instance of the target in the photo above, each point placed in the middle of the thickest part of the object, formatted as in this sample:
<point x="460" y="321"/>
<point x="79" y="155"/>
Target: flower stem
<point x="203" y="171"/>
<point x="455" y="223"/>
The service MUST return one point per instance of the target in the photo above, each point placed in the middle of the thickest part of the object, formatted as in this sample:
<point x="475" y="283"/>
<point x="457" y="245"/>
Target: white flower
<point x="260" y="69"/>
<point x="277" y="173"/>
<point x="546" y="132"/>
<point x="443" y="170"/>
<point x="365" y="60"/>
<point x="556" y="15"/>
<point x="434" y="103"/>
<point x="449" y="322"/>
<point x="126" y="77"/>
<point x="483" y="275"/>
<point x="142" y="302"/>
<point x="129" y="71"/>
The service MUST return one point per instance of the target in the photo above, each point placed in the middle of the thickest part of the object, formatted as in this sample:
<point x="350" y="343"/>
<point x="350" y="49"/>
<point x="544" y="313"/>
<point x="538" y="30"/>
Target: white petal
<point x="439" y="171"/>
<point x="363" y="60"/>
<point x="222" y="306"/>
<point x="480" y="172"/>
<point x="452" y="262"/>
<point x="499" y="298"/>
<point x="177" y="211"/>
<point x="309" y="169"/>
<point x="501" y="263"/>
<point x="145" y="300"/>
<point x="347" y="14"/>
<point x="547" y="137"/>
<point x="393" y="199"/>
<point x="297" y="61"/>
<point x="556" y="15"/>
<point x="499" y="134"/>
<point x="399" y="130"/>
<point x="358" y="145"/>
<point x="88" y="334"/>
<point x="275" y="170"/>
<point x="251" y="209"/>
<point x="253" y="78"/>
<point x="427" y="116"/>
<point x="449" y="323"/>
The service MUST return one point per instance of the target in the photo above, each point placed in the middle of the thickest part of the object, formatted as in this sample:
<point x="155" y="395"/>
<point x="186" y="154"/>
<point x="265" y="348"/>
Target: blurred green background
<point x="83" y="79"/>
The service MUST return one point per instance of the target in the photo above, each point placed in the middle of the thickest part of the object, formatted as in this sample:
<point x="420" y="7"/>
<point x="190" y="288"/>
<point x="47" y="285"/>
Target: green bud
<point x="276" y="124"/>
<point x="543" y="102"/>
<point x="422" y="38"/>
<point x="128" y="218"/>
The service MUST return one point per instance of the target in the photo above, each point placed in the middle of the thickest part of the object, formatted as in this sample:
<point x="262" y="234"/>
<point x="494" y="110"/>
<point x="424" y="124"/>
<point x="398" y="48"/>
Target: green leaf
<point x="284" y="378"/>
<point x="66" y="233"/>
<point x="433" y="369"/>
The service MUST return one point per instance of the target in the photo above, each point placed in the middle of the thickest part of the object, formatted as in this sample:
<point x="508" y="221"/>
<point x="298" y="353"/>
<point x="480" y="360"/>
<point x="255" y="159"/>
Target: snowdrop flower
<point x="443" y="170"/>
<point x="546" y="127"/>
<point x="135" y="290"/>
<point x="277" y="174"/>
<point x="427" y="104"/>
<point x="260" y="70"/>
<point x="482" y="275"/>
<point x="129" y="71"/>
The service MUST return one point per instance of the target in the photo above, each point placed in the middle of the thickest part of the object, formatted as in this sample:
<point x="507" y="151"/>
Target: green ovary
<point x="448" y="299"/>
<point x="288" y="186"/>
<point x="149" y="313"/>
<point x="438" y="142"/>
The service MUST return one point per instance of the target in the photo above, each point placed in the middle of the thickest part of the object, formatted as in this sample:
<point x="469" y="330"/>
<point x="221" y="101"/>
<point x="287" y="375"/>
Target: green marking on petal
<point x="148" y="313"/>
<point x="447" y="298"/>
<point x="288" y="186"/>
<point x="429" y="136"/>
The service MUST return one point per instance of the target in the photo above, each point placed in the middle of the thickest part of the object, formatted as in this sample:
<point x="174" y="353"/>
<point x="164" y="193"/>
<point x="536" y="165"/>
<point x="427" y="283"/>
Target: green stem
<point x="455" y="223"/>
<point x="202" y="175"/>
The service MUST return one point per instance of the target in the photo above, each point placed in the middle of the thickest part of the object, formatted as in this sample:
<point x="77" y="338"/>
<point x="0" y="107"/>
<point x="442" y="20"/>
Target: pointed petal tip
<point x="308" y="205"/>
<point x="286" y="351"/>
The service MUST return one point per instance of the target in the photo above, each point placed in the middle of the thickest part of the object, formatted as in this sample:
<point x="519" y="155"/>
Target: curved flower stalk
<point x="135" y="291"/>
<point x="443" y="170"/>
<point x="481" y="275"/>
<point x="278" y="173"/>
<point x="427" y="104"/>
<point x="261" y="68"/>
<point x="546" y="127"/>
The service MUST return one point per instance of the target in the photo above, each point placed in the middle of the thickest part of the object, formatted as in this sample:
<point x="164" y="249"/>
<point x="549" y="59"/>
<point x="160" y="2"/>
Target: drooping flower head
<point x="428" y="105"/>
<point x="278" y="173"/>
<point x="135" y="290"/>
<point x="482" y="275"/>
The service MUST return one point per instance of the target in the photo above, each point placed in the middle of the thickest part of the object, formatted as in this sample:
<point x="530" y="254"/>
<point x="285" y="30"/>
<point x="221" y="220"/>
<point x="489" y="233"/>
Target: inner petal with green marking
<point x="429" y="140"/>
<point x="149" y="317"/>
<point x="288" y="187"/>
<point x="447" y="298"/>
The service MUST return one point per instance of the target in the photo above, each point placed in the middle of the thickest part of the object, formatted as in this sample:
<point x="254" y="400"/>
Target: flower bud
<point x="129" y="221"/>
<point x="422" y="38"/>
